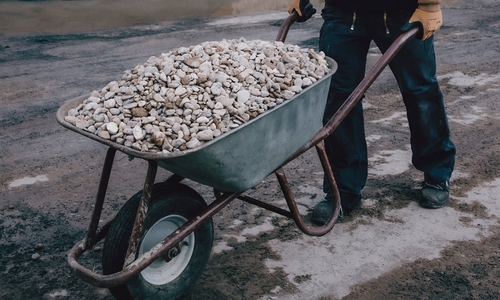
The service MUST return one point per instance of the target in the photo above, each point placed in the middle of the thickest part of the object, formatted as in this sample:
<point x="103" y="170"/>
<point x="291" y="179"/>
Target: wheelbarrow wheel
<point x="170" y="207"/>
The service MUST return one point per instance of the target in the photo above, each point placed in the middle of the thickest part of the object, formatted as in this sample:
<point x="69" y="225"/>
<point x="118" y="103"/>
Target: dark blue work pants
<point x="346" y="36"/>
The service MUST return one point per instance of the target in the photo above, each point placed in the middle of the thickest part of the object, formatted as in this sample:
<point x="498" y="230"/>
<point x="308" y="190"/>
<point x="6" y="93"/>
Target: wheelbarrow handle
<point x="370" y="77"/>
<point x="358" y="93"/>
<point x="285" y="27"/>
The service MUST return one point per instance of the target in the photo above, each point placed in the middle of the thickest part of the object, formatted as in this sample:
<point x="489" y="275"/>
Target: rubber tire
<point x="173" y="199"/>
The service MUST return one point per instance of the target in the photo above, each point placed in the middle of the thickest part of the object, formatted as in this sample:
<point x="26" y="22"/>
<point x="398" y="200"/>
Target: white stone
<point x="159" y="98"/>
<point x="71" y="119"/>
<point x="193" y="143"/>
<point x="91" y="106"/>
<point x="82" y="124"/>
<point x="112" y="128"/>
<point x="255" y="91"/>
<point x="130" y="105"/>
<point x="138" y="133"/>
<point x="306" y="82"/>
<point x="202" y="120"/>
<point x="110" y="103"/>
<point x="147" y="120"/>
<point x="216" y="88"/>
<point x="295" y="89"/>
<point x="288" y="95"/>
<point x="205" y="68"/>
<point x="205" y="135"/>
<point x="194" y="62"/>
<point x="180" y="91"/>
<point x="219" y="112"/>
<point x="109" y="95"/>
<point x="94" y="99"/>
<point x="105" y="135"/>
<point x="224" y="100"/>
<point x="73" y="112"/>
<point x="178" y="142"/>
<point x="298" y="82"/>
<point x="243" y="96"/>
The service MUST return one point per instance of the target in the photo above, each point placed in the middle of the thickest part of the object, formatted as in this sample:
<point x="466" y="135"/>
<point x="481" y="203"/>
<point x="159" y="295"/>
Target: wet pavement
<point x="46" y="17"/>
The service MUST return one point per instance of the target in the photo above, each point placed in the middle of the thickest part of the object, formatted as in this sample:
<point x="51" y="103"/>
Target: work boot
<point x="324" y="209"/>
<point x="435" y="195"/>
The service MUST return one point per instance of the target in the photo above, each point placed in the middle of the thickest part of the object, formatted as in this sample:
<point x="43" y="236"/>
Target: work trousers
<point x="346" y="36"/>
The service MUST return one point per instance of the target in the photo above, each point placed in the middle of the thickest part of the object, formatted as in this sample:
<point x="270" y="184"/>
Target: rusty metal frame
<point x="133" y="267"/>
<point x="293" y="212"/>
<point x="283" y="31"/>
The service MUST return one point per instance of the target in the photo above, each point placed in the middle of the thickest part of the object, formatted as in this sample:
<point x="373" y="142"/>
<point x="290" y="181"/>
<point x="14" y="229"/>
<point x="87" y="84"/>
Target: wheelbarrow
<point x="158" y="244"/>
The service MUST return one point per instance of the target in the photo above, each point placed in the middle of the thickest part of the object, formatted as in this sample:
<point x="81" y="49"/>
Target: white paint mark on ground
<point x="241" y="238"/>
<point x="369" y="202"/>
<point x="265" y="226"/>
<point x="56" y="294"/>
<point x="250" y="19"/>
<point x="463" y="33"/>
<point x="28" y="180"/>
<point x="458" y="174"/>
<point x="390" y="162"/>
<point x="236" y="222"/>
<point x="221" y="247"/>
<point x="341" y="259"/>
<point x="367" y="105"/>
<point x="467" y="119"/>
<point x="312" y="189"/>
<point x="372" y="138"/>
<point x="397" y="116"/>
<point x="487" y="195"/>
<point x="460" y="79"/>
<point x="461" y="98"/>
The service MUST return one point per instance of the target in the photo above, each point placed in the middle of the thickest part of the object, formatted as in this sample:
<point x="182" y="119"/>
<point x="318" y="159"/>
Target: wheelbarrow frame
<point x="133" y="266"/>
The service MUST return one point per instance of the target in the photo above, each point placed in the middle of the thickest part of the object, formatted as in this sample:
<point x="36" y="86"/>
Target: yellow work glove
<point x="430" y="18"/>
<point x="304" y="8"/>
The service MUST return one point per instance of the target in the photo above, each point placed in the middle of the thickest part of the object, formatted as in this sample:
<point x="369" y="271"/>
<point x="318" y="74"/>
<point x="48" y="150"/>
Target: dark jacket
<point x="373" y="5"/>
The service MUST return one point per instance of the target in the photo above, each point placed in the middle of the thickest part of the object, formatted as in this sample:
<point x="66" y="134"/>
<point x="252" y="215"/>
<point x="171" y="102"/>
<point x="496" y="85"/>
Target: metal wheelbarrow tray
<point x="242" y="157"/>
<point x="231" y="164"/>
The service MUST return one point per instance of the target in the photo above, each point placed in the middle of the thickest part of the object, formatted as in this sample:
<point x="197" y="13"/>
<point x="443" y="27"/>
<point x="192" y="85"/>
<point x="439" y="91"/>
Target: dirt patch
<point x="466" y="270"/>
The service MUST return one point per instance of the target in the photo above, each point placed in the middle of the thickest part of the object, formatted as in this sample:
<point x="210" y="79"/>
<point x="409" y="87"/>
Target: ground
<point x="389" y="249"/>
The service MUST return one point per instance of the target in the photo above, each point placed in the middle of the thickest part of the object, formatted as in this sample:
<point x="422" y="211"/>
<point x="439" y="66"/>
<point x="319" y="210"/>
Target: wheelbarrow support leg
<point x="141" y="212"/>
<point x="101" y="193"/>
<point x="292" y="205"/>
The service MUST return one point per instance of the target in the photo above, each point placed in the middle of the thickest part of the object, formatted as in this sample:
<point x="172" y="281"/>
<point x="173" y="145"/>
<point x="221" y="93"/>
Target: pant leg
<point x="415" y="70"/>
<point x="346" y="147"/>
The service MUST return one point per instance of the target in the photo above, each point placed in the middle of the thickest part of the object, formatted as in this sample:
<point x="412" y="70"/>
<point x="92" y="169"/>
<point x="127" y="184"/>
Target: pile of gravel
<point x="191" y="95"/>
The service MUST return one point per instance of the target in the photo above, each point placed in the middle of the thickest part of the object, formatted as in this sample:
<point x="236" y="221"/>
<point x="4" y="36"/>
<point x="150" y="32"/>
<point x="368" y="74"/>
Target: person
<point x="349" y="26"/>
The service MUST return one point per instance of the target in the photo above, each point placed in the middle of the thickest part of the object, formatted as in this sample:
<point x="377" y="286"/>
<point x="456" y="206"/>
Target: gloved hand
<point x="429" y="18"/>
<point x="304" y="8"/>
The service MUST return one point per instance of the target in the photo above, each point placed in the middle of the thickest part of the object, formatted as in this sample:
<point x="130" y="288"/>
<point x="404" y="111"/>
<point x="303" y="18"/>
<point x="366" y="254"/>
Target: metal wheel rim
<point x="161" y="272"/>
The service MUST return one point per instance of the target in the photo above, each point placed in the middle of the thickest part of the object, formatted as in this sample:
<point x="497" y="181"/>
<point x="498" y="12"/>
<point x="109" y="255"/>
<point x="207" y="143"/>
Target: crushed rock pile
<point x="191" y="95"/>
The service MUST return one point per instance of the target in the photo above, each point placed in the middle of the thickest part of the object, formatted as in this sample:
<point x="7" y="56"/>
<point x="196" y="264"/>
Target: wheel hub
<point x="175" y="260"/>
